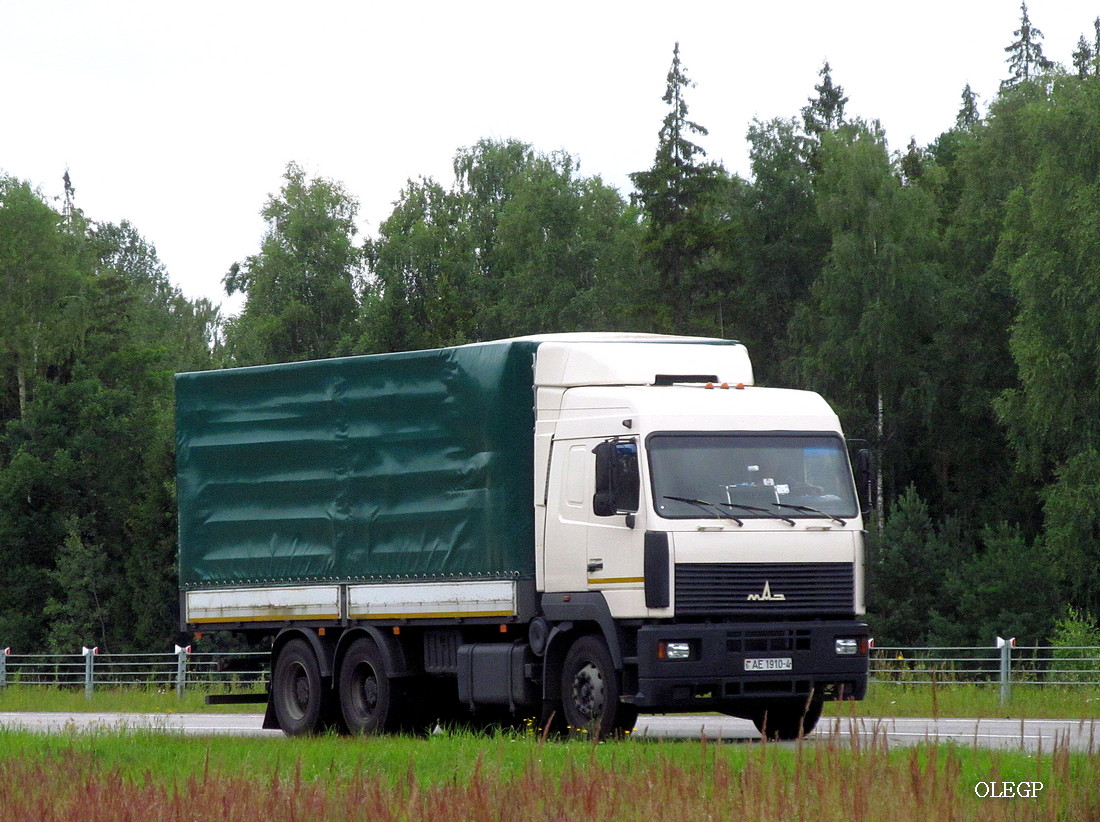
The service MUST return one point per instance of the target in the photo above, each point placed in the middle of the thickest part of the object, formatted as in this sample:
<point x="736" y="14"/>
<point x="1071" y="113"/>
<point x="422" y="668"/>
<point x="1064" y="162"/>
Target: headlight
<point x="847" y="647"/>
<point x="674" y="650"/>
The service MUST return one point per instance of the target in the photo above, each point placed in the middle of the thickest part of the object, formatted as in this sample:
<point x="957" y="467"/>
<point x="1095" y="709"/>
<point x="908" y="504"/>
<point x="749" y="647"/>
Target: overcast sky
<point x="181" y="117"/>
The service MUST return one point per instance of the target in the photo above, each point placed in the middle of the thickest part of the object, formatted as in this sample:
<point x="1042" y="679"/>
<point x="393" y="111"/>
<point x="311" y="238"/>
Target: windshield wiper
<point x="706" y="506"/>
<point x="809" y="510"/>
<point x="761" y="510"/>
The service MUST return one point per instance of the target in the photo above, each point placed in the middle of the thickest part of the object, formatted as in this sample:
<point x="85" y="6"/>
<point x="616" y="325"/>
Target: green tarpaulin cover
<point x="388" y="467"/>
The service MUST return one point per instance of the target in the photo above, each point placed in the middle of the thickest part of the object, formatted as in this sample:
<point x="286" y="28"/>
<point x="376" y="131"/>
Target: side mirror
<point x="603" y="504"/>
<point x="617" y="481"/>
<point x="865" y="479"/>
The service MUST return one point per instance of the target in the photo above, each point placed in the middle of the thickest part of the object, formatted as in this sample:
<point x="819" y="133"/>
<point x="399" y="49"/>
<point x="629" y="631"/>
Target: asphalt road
<point x="1029" y="734"/>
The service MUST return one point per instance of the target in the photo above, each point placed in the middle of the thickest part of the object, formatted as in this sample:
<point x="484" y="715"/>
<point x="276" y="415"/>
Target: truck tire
<point x="786" y="719"/>
<point x="297" y="690"/>
<point x="370" y="701"/>
<point x="590" y="691"/>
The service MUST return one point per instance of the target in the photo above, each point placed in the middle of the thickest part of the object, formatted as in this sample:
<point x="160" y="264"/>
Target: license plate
<point x="781" y="663"/>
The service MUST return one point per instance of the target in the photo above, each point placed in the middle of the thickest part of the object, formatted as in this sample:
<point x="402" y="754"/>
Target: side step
<point x="235" y="699"/>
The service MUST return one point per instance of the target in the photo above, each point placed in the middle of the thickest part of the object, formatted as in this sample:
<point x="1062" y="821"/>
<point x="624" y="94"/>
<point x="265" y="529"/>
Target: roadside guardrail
<point x="181" y="669"/>
<point x="1003" y="663"/>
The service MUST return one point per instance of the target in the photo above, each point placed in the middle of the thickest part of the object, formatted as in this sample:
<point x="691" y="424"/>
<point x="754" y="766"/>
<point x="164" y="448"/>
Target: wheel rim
<point x="589" y="694"/>
<point x="298" y="692"/>
<point x="365" y="689"/>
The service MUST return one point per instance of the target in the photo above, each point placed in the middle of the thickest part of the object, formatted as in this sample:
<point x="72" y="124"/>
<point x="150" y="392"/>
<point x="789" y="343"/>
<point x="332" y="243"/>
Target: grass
<point x="127" y="700"/>
<point x="151" y="776"/>
<point x="981" y="701"/>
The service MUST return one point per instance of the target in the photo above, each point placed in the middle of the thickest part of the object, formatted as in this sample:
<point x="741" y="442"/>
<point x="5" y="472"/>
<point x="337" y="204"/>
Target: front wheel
<point x="590" y="691"/>
<point x="786" y="719"/>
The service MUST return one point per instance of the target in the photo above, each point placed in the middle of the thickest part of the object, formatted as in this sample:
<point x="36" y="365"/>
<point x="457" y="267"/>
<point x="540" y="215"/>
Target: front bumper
<point x="716" y="676"/>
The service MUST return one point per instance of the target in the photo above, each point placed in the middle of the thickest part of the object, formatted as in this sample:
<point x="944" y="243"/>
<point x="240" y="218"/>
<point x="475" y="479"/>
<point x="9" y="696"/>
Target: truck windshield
<point x="717" y="474"/>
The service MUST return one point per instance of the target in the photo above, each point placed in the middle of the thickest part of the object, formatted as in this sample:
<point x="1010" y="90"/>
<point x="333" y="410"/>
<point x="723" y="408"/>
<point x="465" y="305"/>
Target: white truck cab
<point x="719" y="518"/>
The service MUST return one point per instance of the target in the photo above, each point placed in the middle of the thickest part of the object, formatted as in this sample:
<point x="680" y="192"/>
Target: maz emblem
<point x="767" y="595"/>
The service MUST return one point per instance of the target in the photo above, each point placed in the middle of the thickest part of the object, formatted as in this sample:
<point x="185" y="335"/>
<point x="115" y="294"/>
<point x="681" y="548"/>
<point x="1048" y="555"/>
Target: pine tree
<point x="908" y="566"/>
<point x="826" y="111"/>
<point x="676" y="196"/>
<point x="1083" y="58"/>
<point x="912" y="162"/>
<point x="968" y="115"/>
<point x="668" y="190"/>
<point x="1025" y="55"/>
<point x="78" y="613"/>
<point x="1096" y="47"/>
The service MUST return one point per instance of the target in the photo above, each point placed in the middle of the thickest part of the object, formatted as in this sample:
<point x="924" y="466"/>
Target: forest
<point x="945" y="299"/>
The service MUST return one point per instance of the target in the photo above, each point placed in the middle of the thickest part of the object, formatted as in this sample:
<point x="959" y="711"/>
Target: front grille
<point x="767" y="641"/>
<point x="765" y="589"/>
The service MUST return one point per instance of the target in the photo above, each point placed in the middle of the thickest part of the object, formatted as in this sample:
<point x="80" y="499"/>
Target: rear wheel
<point x="298" y="692"/>
<point x="785" y="719"/>
<point x="590" y="691"/>
<point x="370" y="701"/>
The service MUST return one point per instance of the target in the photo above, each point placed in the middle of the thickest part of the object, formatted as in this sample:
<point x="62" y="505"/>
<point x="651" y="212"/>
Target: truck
<point x="567" y="529"/>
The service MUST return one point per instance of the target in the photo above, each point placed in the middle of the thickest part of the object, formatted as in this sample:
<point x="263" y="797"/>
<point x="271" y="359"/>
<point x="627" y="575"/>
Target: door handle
<point x="595" y="565"/>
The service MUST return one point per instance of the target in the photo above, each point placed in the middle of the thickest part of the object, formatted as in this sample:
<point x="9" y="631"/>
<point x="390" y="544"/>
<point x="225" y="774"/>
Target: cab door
<point x="568" y="515"/>
<point x="615" y="536"/>
<point x="593" y="538"/>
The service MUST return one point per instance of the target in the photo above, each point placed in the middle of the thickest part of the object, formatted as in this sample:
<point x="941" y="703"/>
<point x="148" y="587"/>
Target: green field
<point x="130" y="700"/>
<point x="982" y="701"/>
<point x="151" y="776"/>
